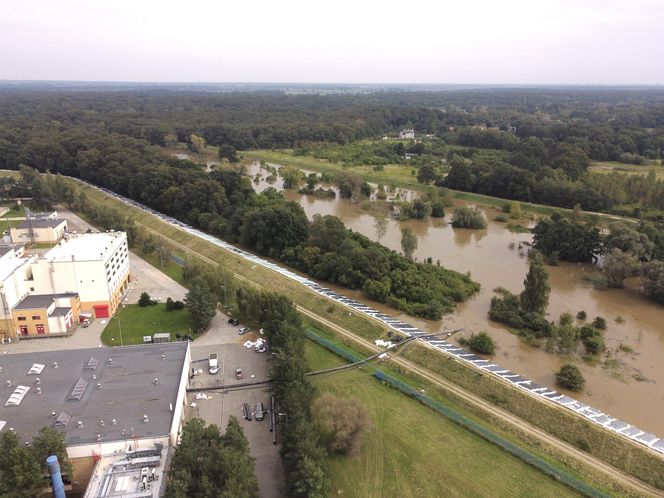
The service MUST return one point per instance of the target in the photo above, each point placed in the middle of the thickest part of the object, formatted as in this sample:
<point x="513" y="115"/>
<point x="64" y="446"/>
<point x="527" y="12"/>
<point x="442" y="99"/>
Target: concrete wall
<point x="108" y="448"/>
<point x="181" y="400"/>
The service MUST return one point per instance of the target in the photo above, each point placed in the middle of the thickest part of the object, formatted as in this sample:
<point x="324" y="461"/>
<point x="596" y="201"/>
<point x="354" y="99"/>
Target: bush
<point x="173" y="305"/>
<point x="144" y="300"/>
<point x="571" y="378"/>
<point x="468" y="217"/>
<point x="581" y="315"/>
<point x="587" y="331"/>
<point x="501" y="218"/>
<point x="482" y="343"/>
<point x="594" y="344"/>
<point x="341" y="421"/>
<point x="599" y="323"/>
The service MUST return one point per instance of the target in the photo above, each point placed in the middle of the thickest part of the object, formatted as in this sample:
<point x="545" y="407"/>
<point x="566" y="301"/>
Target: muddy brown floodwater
<point x="629" y="388"/>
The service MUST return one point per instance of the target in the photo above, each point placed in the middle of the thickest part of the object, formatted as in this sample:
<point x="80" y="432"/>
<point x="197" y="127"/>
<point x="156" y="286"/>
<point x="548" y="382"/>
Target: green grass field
<point x="136" y="322"/>
<point x="412" y="451"/>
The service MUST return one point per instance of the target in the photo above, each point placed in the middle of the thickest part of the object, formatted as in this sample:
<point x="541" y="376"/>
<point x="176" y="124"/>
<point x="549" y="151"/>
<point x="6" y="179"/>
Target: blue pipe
<point x="56" y="477"/>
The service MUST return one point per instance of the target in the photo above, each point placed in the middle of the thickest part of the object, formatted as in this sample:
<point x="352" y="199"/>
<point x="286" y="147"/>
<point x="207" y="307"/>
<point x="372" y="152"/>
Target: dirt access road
<point x="519" y="424"/>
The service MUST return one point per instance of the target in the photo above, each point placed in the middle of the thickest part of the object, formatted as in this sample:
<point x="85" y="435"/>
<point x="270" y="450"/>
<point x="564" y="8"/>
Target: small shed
<point x="161" y="337"/>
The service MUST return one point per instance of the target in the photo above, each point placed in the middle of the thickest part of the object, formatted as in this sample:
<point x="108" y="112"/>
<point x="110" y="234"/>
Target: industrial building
<point x="44" y="296"/>
<point x="38" y="231"/>
<point x="93" y="265"/>
<point x="118" y="407"/>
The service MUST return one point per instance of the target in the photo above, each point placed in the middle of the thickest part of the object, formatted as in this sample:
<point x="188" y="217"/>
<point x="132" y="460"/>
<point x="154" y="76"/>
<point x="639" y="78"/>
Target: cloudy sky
<point x="386" y="41"/>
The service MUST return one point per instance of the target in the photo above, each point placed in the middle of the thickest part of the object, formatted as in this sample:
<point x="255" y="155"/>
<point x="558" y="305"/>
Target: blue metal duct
<point x="56" y="477"/>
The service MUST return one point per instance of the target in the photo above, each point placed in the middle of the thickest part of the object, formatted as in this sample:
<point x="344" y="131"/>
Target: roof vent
<point x="37" y="380"/>
<point x="91" y="364"/>
<point x="79" y="424"/>
<point x="38" y="390"/>
<point x="17" y="396"/>
<point x="99" y="385"/>
<point x="163" y="356"/>
<point x="156" y="380"/>
<point x="9" y="383"/>
<point x="53" y="414"/>
<point x="55" y="364"/>
<point x="101" y="423"/>
<point x="114" y="422"/>
<point x="36" y="369"/>
<point x="63" y="419"/>
<point x="98" y="437"/>
<point x="109" y="361"/>
<point x="78" y="390"/>
<point x="146" y="419"/>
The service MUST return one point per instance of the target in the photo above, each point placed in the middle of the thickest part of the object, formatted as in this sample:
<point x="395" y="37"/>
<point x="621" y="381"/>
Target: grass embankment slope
<point x="137" y="321"/>
<point x="397" y="175"/>
<point x="411" y="451"/>
<point x="569" y="427"/>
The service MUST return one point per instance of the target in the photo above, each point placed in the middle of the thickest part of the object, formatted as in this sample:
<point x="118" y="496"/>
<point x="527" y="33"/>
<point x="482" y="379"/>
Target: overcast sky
<point x="411" y="41"/>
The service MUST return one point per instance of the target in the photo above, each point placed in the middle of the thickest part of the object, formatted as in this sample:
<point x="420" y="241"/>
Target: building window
<point x="36" y="317"/>
<point x="21" y="318"/>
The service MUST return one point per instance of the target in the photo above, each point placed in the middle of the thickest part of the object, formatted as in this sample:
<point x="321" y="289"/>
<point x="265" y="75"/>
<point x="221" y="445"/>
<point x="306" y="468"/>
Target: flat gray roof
<point x="127" y="392"/>
<point x="35" y="301"/>
<point x="41" y="223"/>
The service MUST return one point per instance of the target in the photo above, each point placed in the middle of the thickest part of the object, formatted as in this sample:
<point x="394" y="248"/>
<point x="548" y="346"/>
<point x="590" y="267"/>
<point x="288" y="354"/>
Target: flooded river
<point x="630" y="388"/>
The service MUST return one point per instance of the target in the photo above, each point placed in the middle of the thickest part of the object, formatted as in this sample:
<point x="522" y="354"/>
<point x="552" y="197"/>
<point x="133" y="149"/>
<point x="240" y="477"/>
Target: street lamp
<point x="120" y="329"/>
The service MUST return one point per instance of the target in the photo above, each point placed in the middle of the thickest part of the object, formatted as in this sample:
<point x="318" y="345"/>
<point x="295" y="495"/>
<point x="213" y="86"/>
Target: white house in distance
<point x="93" y="265"/>
<point x="407" y="134"/>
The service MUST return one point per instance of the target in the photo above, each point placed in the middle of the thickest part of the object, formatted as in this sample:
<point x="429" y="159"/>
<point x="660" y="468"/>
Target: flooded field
<point x="628" y="385"/>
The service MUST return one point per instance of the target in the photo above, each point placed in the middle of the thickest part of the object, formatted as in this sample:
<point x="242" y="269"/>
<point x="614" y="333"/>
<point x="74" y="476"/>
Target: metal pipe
<point x="56" y="477"/>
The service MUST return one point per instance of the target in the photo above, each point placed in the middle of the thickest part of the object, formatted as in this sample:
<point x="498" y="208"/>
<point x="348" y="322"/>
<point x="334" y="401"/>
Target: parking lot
<point x="223" y="339"/>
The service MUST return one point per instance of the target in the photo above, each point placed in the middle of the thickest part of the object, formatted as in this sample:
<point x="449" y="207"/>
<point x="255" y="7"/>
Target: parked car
<point x="234" y="321"/>
<point x="238" y="373"/>
<point x="246" y="411"/>
<point x="260" y="413"/>
<point x="243" y="330"/>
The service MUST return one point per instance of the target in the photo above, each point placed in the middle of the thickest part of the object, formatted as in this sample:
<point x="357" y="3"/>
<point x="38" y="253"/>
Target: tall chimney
<point x="56" y="478"/>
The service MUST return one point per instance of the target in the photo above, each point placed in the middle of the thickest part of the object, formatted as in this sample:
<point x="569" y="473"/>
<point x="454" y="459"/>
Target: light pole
<point x="120" y="329"/>
<point x="225" y="298"/>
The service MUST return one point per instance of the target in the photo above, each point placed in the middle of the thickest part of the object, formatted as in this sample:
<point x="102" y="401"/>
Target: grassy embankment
<point x="136" y="321"/>
<point x="609" y="447"/>
<point x="397" y="175"/>
<point x="412" y="452"/>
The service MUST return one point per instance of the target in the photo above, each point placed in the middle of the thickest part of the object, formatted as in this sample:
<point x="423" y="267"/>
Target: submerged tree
<point x="408" y="242"/>
<point x="535" y="295"/>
